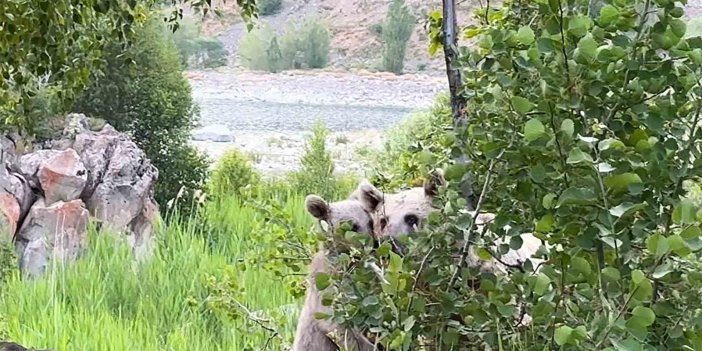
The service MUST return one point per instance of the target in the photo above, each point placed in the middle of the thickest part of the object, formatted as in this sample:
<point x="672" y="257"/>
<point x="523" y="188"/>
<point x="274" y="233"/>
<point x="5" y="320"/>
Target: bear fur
<point x="321" y="334"/>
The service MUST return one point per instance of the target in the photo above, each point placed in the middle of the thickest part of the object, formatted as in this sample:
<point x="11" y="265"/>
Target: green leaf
<point x="662" y="270"/>
<point x="685" y="212"/>
<point x="621" y="182"/>
<point x="522" y="105"/>
<point x="562" y="335"/>
<point x="658" y="245"/>
<point x="542" y="284"/>
<point x="370" y="301"/>
<point x="545" y="224"/>
<point x="580" y="265"/>
<point x="322" y="280"/>
<point x="637" y="277"/>
<point x="625" y="209"/>
<point x="525" y="35"/>
<point x="533" y="129"/>
<point x="587" y="46"/>
<point x="643" y="315"/>
<point x="547" y="201"/>
<point x="577" y="156"/>
<point x="626" y="345"/>
<point x="678" y="27"/>
<point x="567" y="127"/>
<point x="577" y="196"/>
<point x="579" y="25"/>
<point x="608" y="14"/>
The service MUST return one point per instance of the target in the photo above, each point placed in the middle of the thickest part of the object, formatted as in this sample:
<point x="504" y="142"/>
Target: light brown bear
<point x="406" y="211"/>
<point x="321" y="334"/>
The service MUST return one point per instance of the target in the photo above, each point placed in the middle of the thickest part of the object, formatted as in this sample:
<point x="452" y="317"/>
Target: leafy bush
<point x="152" y="102"/>
<point x="195" y="50"/>
<point x="269" y="7"/>
<point x="413" y="147"/>
<point x="316" y="174"/>
<point x="259" y="50"/>
<point x="303" y="45"/>
<point x="233" y="173"/>
<point x="396" y="32"/>
<point x="585" y="133"/>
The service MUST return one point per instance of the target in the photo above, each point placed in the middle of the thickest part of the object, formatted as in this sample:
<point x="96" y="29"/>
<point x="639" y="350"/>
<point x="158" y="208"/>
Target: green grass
<point x="107" y="301"/>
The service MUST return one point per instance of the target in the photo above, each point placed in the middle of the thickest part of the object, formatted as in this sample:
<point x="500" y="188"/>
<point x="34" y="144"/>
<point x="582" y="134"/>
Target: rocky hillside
<point x="354" y="44"/>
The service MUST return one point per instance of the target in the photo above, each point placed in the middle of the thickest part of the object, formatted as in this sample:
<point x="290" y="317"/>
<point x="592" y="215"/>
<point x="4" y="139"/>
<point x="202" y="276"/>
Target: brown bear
<point x="406" y="211"/>
<point x="321" y="334"/>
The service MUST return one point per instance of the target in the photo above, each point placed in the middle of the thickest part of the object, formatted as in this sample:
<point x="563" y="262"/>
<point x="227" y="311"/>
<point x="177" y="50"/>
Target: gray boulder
<point x="215" y="132"/>
<point x="57" y="231"/>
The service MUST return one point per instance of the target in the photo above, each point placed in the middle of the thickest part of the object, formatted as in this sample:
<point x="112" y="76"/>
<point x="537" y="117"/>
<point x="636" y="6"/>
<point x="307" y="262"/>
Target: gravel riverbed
<point x="270" y="115"/>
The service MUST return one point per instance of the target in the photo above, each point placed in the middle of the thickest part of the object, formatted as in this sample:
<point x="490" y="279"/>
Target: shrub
<point x="233" y="173"/>
<point x="195" y="50"/>
<point x="581" y="132"/>
<point x="269" y="7"/>
<point x="413" y="147"/>
<point x="152" y="102"/>
<point x="396" y="32"/>
<point x="259" y="50"/>
<point x="317" y="168"/>
<point x="303" y="45"/>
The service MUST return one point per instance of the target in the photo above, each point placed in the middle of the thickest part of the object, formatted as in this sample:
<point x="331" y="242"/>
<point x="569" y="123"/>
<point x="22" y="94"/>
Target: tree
<point x="396" y="32"/>
<point x="50" y="48"/>
<point x="585" y="133"/>
<point x="151" y="101"/>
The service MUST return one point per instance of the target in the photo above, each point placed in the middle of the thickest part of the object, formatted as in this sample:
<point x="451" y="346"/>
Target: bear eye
<point x="383" y="222"/>
<point x="355" y="228"/>
<point x="411" y="219"/>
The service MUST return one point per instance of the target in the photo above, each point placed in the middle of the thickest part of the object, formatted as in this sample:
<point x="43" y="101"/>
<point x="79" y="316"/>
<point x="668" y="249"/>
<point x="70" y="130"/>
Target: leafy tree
<point x="269" y="7"/>
<point x="587" y="136"/>
<point x="396" y="32"/>
<point x="151" y="101"/>
<point x="305" y="44"/>
<point x="52" y="47"/>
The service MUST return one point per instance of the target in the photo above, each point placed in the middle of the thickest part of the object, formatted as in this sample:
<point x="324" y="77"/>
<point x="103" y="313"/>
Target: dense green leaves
<point x="583" y="125"/>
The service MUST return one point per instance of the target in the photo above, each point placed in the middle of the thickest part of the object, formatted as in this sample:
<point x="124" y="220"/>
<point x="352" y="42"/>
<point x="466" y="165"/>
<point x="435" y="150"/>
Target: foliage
<point x="54" y="48"/>
<point x="585" y="135"/>
<point x="152" y="102"/>
<point x="304" y="44"/>
<point x="413" y="147"/>
<point x="269" y="7"/>
<point x="317" y="173"/>
<point x="233" y="173"/>
<point x="197" y="51"/>
<point x="259" y="50"/>
<point x="395" y="33"/>
<point x="8" y="261"/>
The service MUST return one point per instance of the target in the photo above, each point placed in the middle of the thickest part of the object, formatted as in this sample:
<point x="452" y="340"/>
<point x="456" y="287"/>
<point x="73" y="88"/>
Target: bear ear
<point x="434" y="181"/>
<point x="317" y="207"/>
<point x="369" y="196"/>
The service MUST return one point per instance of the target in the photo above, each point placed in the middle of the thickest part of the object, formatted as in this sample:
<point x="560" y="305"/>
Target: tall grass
<point x="107" y="301"/>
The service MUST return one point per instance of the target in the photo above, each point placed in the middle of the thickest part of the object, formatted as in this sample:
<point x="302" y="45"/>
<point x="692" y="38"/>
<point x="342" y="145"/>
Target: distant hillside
<point x="354" y="44"/>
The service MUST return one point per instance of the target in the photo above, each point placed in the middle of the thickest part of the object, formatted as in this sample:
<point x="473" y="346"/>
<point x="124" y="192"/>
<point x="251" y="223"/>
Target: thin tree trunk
<point x="458" y="101"/>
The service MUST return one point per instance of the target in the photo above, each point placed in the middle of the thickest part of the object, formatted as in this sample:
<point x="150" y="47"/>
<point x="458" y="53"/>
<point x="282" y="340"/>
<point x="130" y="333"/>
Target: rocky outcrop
<point x="48" y="196"/>
<point x="11" y="346"/>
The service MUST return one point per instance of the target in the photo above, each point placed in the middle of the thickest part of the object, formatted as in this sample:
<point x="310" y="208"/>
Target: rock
<point x="30" y="164"/>
<point x="215" y="132"/>
<point x="9" y="214"/>
<point x="57" y="231"/>
<point x="62" y="177"/>
<point x="11" y="346"/>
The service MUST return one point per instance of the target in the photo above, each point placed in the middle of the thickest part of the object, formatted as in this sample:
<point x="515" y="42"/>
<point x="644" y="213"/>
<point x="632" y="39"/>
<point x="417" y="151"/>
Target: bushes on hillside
<point x="197" y="51"/>
<point x="396" y="31"/>
<point x="269" y="7"/>
<point x="304" y="44"/>
<point x="152" y="102"/>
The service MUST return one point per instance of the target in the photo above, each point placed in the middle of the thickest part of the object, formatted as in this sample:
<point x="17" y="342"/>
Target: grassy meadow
<point x="179" y="299"/>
